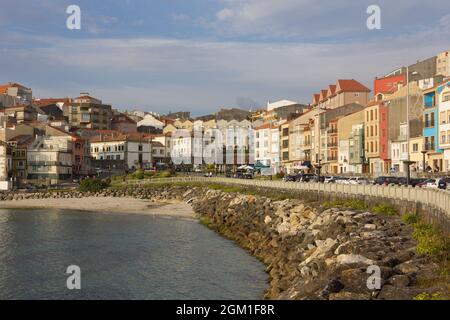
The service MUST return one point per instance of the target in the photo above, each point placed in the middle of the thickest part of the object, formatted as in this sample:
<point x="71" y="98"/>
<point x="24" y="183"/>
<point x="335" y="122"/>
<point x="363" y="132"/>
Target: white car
<point x="431" y="183"/>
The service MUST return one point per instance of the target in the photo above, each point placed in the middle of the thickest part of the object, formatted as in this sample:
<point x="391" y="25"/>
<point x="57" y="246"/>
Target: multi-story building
<point x="123" y="123"/>
<point x="417" y="154"/>
<point x="81" y="157"/>
<point x="399" y="151"/>
<point x="443" y="64"/>
<point x="88" y="112"/>
<point x="129" y="151"/>
<point x="284" y="146"/>
<point x="5" y="166"/>
<point x="430" y="115"/>
<point x="19" y="146"/>
<point x="346" y="136"/>
<point x="49" y="160"/>
<point x="443" y="97"/>
<point x="267" y="150"/>
<point x="17" y="90"/>
<point x="22" y="113"/>
<point x="372" y="137"/>
<point x="356" y="154"/>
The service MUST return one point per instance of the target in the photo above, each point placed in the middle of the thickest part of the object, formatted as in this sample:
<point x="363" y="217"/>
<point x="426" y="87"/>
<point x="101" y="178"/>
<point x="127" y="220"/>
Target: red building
<point x="388" y="85"/>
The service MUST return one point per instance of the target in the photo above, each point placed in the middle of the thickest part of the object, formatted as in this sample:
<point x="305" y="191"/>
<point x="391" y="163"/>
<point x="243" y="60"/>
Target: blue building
<point x="431" y="129"/>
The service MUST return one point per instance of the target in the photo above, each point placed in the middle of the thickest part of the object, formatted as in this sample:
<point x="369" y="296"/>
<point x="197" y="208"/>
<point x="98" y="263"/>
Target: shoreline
<point x="125" y="205"/>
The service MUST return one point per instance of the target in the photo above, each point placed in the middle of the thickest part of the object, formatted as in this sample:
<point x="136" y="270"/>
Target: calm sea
<point x="121" y="256"/>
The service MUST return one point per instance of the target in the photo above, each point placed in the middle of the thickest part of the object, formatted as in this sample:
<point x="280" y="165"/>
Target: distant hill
<point x="227" y="114"/>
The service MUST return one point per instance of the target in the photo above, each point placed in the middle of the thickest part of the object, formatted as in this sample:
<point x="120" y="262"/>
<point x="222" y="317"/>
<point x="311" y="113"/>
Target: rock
<point x="407" y="267"/>
<point x="399" y="280"/>
<point x="267" y="220"/>
<point x="370" y="226"/>
<point x="353" y="259"/>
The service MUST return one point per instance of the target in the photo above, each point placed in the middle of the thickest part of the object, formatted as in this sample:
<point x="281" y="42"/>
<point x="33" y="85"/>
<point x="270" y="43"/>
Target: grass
<point x="354" y="204"/>
<point x="384" y="210"/>
<point x="433" y="296"/>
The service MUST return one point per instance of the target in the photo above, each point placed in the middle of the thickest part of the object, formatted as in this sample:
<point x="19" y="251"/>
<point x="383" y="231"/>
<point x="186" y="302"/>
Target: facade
<point x="372" y="138"/>
<point x="49" y="160"/>
<point x="123" y="123"/>
<point x="22" y="113"/>
<point x="431" y="129"/>
<point x="19" y="146"/>
<point x="356" y="154"/>
<point x="346" y="135"/>
<point x="417" y="154"/>
<point x="267" y="151"/>
<point x="5" y="166"/>
<point x="18" y="91"/>
<point x="399" y="151"/>
<point x="443" y="97"/>
<point x="134" y="151"/>
<point x="88" y="112"/>
<point x="443" y="64"/>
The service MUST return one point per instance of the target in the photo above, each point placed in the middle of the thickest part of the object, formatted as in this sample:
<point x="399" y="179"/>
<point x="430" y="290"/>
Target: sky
<point x="200" y="55"/>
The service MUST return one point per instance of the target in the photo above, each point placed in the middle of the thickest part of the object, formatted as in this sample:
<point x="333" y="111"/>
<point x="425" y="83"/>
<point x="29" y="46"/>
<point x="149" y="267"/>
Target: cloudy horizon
<point x="170" y="56"/>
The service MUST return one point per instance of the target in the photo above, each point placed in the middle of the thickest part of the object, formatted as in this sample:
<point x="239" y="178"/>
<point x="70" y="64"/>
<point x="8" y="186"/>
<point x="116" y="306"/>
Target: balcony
<point x="429" y="146"/>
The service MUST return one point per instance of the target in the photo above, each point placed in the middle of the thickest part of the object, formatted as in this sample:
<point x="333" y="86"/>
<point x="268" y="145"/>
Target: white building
<point x="150" y="121"/>
<point x="267" y="146"/>
<point x="444" y="122"/>
<point x="278" y="104"/>
<point x="49" y="159"/>
<point x="5" y="165"/>
<point x="399" y="151"/>
<point x="134" y="149"/>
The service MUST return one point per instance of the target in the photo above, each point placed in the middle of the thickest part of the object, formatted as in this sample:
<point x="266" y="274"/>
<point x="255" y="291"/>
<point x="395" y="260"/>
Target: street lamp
<point x="408" y="161"/>
<point x="424" y="152"/>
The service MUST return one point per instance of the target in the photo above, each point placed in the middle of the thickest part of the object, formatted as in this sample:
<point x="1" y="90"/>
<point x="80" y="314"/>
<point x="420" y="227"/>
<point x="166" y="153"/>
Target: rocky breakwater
<point x="318" y="254"/>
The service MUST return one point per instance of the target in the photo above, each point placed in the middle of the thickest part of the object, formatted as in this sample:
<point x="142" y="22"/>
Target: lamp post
<point x="408" y="161"/>
<point x="424" y="152"/>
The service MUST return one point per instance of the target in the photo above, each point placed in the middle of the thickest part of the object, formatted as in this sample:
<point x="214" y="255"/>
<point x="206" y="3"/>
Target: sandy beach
<point x="106" y="205"/>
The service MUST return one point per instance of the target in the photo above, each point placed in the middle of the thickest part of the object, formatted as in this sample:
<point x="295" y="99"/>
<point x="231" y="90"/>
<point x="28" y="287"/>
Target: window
<point x="432" y="119"/>
<point x="443" y="138"/>
<point x="415" y="147"/>
<point x="140" y="147"/>
<point x="118" y="157"/>
<point x="446" y="97"/>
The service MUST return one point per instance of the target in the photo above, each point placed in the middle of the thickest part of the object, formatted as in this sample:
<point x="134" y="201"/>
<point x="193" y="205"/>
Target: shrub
<point x="138" y="174"/>
<point x="279" y="175"/>
<point x="93" y="185"/>
<point x="384" y="209"/>
<point x="410" y="218"/>
<point x="431" y="241"/>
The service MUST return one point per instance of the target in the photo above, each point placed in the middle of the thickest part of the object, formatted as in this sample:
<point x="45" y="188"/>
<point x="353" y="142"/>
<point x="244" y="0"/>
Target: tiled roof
<point x="351" y="85"/>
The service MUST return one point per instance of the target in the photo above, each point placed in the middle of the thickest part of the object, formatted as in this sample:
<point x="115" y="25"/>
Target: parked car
<point x="358" y="180"/>
<point x="306" y="177"/>
<point x="444" y="183"/>
<point x="289" y="178"/>
<point x="429" y="183"/>
<point x="387" y="180"/>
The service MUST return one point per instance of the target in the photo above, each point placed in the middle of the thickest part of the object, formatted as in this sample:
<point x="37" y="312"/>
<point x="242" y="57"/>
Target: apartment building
<point x="123" y="123"/>
<point x="49" y="160"/>
<point x="356" y="152"/>
<point x="417" y="154"/>
<point x="430" y="116"/>
<point x="267" y="150"/>
<point x="22" y="113"/>
<point x="19" y="146"/>
<point x="284" y="146"/>
<point x="399" y="151"/>
<point x="5" y="166"/>
<point x="443" y="64"/>
<point x="349" y="144"/>
<point x="128" y="151"/>
<point x="24" y="94"/>
<point x="88" y="112"/>
<point x="443" y="97"/>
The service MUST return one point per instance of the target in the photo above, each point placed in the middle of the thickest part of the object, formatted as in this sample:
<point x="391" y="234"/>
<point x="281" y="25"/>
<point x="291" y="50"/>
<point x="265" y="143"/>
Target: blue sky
<point x="200" y="55"/>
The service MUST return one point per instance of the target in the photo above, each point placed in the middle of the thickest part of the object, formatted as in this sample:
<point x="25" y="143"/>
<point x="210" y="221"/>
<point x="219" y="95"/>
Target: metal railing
<point x="434" y="198"/>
